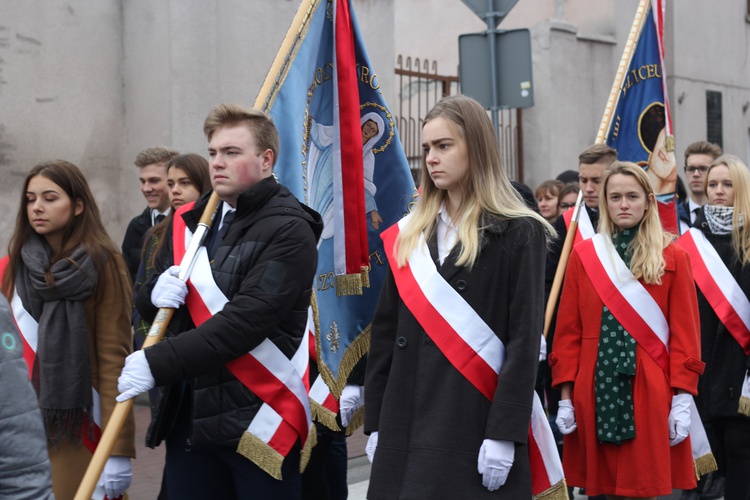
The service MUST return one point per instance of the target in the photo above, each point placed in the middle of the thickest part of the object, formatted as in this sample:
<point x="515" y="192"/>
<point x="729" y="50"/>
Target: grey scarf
<point x="719" y="218"/>
<point x="61" y="374"/>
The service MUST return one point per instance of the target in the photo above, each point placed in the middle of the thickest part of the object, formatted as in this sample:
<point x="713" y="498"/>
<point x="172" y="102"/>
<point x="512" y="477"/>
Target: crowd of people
<point x="648" y="349"/>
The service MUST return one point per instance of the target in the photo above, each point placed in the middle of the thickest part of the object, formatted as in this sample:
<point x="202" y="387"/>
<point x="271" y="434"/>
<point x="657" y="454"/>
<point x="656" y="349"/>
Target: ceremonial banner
<point x="641" y="127"/>
<point x="341" y="155"/>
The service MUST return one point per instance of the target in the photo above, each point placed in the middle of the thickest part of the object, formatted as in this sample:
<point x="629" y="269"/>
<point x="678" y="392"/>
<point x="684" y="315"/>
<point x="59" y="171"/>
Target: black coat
<point x="265" y="266"/>
<point x="720" y="386"/>
<point x="132" y="243"/>
<point x="431" y="420"/>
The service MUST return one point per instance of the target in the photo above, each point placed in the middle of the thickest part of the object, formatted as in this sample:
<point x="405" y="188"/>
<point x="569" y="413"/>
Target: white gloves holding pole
<point x="679" y="418"/>
<point x="169" y="290"/>
<point x="116" y="476"/>
<point x="494" y="463"/>
<point x="136" y="377"/>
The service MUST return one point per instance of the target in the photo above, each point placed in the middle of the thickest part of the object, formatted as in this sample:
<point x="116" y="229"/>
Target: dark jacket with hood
<point x="265" y="266"/>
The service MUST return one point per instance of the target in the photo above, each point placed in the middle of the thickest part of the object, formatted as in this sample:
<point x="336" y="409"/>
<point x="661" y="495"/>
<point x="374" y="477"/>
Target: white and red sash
<point x="29" y="329"/>
<point x="723" y="293"/>
<point x="585" y="230"/>
<point x="323" y="403"/>
<point x="471" y="346"/>
<point x="281" y="383"/>
<point x="637" y="311"/>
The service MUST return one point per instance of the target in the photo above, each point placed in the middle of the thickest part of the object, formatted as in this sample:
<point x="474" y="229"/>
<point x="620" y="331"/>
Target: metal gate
<point x="420" y="88"/>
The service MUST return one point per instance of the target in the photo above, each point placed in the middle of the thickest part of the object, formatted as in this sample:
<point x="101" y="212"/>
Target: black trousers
<point x="731" y="446"/>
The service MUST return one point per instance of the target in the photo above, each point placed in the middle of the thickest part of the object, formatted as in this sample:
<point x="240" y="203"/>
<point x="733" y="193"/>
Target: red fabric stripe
<point x="719" y="302"/>
<point x="459" y="353"/>
<point x="539" y="479"/>
<point x="271" y="390"/>
<point x="283" y="439"/>
<point x="621" y="308"/>
<point x="352" y="169"/>
<point x="668" y="215"/>
<point x="568" y="218"/>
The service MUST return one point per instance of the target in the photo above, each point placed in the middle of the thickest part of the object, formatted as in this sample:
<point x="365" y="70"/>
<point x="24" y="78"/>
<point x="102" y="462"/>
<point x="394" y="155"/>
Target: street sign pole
<point x="492" y="34"/>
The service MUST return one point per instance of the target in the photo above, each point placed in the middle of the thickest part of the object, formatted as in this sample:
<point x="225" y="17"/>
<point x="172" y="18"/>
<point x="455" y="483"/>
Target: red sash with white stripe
<point x="323" y="404"/>
<point x="470" y="345"/>
<point x="281" y="383"/>
<point x="629" y="302"/>
<point x="719" y="287"/>
<point x="724" y="295"/>
<point x="585" y="230"/>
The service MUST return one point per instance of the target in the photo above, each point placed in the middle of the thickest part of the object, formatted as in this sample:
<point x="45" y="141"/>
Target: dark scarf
<point x="61" y="374"/>
<point x="615" y="366"/>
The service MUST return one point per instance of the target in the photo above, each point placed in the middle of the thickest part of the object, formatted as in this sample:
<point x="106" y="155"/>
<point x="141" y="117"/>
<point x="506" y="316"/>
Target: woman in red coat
<point x="627" y="365"/>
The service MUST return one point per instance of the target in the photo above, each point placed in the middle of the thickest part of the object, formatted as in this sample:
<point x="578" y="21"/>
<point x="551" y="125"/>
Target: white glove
<point x="115" y="478"/>
<point x="679" y="418"/>
<point x="352" y="398"/>
<point x="566" y="417"/>
<point x="372" y="443"/>
<point x="494" y="463"/>
<point x="169" y="290"/>
<point x="543" y="349"/>
<point x="135" y="378"/>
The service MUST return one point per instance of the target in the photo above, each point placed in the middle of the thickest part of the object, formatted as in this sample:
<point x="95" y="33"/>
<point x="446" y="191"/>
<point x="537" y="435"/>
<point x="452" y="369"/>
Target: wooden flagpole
<point x="614" y="95"/>
<point x="163" y="317"/>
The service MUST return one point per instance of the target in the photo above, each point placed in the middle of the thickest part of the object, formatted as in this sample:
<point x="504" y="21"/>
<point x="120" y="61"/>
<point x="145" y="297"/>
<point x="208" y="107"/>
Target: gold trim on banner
<point x="558" y="491"/>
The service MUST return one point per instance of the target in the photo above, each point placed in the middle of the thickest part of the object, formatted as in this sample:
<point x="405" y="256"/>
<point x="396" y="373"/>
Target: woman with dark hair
<point x="70" y="294"/>
<point x="187" y="179"/>
<point x="455" y="337"/>
<point x="626" y="355"/>
<point x="719" y="247"/>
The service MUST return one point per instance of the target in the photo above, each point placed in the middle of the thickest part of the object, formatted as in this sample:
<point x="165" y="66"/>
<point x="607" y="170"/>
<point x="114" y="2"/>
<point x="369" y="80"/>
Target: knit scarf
<point x="719" y="218"/>
<point x="61" y="373"/>
<point x="615" y="367"/>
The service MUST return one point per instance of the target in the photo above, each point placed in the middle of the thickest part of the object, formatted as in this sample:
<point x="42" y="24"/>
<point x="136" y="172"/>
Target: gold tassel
<point x="348" y="284"/>
<point x="356" y="351"/>
<point x="744" y="406"/>
<point x="357" y="421"/>
<point x="558" y="491"/>
<point x="669" y="144"/>
<point x="262" y="455"/>
<point x="704" y="465"/>
<point x="312" y="440"/>
<point x="324" y="416"/>
<point x="366" y="276"/>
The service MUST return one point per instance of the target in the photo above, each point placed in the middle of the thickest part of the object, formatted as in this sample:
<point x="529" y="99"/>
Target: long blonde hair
<point x="485" y="189"/>
<point x="647" y="249"/>
<point x="740" y="177"/>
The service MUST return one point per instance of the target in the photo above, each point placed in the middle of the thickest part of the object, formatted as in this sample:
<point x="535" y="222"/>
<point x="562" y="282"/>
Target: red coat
<point x="646" y="465"/>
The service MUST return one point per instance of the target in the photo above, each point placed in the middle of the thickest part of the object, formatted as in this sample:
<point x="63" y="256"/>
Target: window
<point x="714" y="131"/>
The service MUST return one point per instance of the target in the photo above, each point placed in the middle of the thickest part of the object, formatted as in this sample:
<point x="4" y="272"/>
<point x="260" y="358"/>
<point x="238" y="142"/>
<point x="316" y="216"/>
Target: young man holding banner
<point x="235" y="415"/>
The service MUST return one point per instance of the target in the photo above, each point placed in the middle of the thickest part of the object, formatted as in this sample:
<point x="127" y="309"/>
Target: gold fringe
<point x="705" y="464"/>
<point x="312" y="440"/>
<point x="357" y="421"/>
<point x="365" y="276"/>
<point x="669" y="144"/>
<point x="324" y="416"/>
<point x="558" y="491"/>
<point x="262" y="455"/>
<point x="744" y="408"/>
<point x="359" y="347"/>
<point x="348" y="284"/>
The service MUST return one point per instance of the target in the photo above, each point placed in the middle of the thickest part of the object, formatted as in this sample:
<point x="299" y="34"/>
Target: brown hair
<point x="85" y="229"/>
<point x="155" y="154"/>
<point x="551" y="186"/>
<point x="260" y="124"/>
<point x="598" y="153"/>
<point x="703" y="148"/>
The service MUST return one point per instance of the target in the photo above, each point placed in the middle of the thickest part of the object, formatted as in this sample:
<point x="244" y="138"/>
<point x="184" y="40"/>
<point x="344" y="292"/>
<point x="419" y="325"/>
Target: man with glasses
<point x="698" y="156"/>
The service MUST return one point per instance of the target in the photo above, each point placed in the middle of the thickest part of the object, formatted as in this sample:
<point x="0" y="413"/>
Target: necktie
<point x="159" y="218"/>
<point x="220" y="234"/>
<point x="694" y="215"/>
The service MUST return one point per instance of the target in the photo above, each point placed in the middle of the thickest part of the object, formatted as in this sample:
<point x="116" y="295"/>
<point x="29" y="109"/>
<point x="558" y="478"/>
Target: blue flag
<point x="307" y="106"/>
<point x="641" y="127"/>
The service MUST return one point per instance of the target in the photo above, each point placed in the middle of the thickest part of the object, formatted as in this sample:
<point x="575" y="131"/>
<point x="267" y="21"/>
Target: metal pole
<point x="490" y="19"/>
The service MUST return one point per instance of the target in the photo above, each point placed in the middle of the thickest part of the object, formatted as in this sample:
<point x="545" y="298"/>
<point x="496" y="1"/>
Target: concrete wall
<point x="96" y="82"/>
